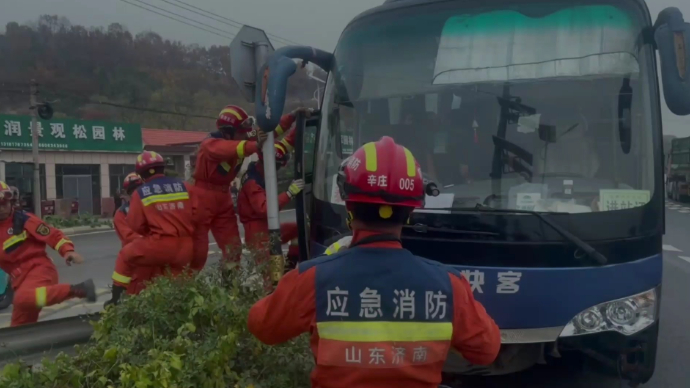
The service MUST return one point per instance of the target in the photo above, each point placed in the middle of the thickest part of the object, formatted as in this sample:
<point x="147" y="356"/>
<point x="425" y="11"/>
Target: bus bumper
<point x="621" y="334"/>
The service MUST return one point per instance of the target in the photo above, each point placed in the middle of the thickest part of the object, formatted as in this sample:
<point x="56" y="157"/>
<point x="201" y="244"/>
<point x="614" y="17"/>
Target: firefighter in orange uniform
<point x="374" y="306"/>
<point x="219" y="159"/>
<point x="161" y="211"/>
<point x="124" y="232"/>
<point x="251" y="202"/>
<point x="33" y="274"/>
<point x="127" y="235"/>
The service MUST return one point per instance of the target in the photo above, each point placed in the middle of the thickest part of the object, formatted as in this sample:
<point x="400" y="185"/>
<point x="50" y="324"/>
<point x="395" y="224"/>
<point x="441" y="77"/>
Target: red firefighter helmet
<point x="6" y="194"/>
<point x="234" y="117"/>
<point x="132" y="181"/>
<point x="383" y="173"/>
<point x="148" y="160"/>
<point x="282" y="155"/>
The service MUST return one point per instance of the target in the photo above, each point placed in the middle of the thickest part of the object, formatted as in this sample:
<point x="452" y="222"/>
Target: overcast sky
<point x="311" y="22"/>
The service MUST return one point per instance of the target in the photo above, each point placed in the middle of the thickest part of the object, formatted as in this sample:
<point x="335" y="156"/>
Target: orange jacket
<point x="218" y="160"/>
<point x="22" y="250"/>
<point x="162" y="206"/>
<point x="375" y="344"/>
<point x="124" y="232"/>
<point x="251" y="201"/>
<point x="251" y="207"/>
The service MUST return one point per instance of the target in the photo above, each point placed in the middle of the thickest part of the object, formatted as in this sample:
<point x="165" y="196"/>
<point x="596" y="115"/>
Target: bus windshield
<point x="543" y="107"/>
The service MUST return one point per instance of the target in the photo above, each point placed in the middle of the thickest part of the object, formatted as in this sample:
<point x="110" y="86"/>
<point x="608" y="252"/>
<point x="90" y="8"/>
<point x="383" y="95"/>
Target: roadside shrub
<point x="77" y="220"/>
<point x="180" y="332"/>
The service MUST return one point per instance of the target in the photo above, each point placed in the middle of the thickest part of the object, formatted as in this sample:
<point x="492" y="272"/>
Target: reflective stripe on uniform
<point x="62" y="242"/>
<point x="409" y="161"/>
<point x="232" y="112"/>
<point x="121" y="278"/>
<point x="280" y="148"/>
<point x="287" y="145"/>
<point x="159" y="198"/>
<point x="370" y="156"/>
<point x="279" y="130"/>
<point x="41" y="296"/>
<point x="334" y="248"/>
<point x="385" y="331"/>
<point x="226" y="166"/>
<point x="14" y="240"/>
<point x="240" y="149"/>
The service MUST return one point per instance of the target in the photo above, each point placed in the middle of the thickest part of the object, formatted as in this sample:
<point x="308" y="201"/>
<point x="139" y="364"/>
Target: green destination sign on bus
<point x="70" y="135"/>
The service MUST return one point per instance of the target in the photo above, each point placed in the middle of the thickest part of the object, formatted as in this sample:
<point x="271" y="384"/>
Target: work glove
<point x="295" y="187"/>
<point x="339" y="245"/>
<point x="307" y="112"/>
<point x="261" y="137"/>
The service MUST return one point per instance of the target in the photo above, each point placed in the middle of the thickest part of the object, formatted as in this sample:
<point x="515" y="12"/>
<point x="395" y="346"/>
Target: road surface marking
<point x="684" y="258"/>
<point x="670" y="248"/>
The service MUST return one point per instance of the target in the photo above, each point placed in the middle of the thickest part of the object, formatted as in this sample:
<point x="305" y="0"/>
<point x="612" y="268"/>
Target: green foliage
<point x="180" y="332"/>
<point x="77" y="220"/>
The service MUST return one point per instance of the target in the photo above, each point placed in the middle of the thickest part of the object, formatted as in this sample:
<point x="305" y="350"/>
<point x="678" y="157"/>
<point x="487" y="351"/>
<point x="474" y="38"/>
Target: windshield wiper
<point x="423" y="228"/>
<point x="583" y="246"/>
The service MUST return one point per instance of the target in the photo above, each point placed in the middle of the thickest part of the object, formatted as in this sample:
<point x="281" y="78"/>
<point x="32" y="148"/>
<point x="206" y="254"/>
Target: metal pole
<point x="270" y="176"/>
<point x="34" y="149"/>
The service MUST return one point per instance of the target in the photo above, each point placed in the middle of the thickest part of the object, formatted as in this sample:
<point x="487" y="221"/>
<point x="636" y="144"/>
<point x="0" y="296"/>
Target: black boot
<point x="84" y="290"/>
<point x="117" y="293"/>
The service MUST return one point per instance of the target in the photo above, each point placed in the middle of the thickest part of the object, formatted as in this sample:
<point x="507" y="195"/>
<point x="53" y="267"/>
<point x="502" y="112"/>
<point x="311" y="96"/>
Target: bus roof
<point x="389" y="5"/>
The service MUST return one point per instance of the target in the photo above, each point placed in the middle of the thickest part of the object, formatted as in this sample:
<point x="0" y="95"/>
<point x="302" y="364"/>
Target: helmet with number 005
<point x="6" y="194"/>
<point x="282" y="155"/>
<point x="234" y="117"/>
<point x="132" y="181"/>
<point x="384" y="173"/>
<point x="148" y="160"/>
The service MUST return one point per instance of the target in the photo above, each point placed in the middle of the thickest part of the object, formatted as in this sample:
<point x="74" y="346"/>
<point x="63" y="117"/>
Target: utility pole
<point x="34" y="149"/>
<point x="249" y="51"/>
<point x="261" y="54"/>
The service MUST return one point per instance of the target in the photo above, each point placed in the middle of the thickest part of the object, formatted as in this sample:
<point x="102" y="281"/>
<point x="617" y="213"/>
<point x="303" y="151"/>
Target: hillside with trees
<point x="81" y="68"/>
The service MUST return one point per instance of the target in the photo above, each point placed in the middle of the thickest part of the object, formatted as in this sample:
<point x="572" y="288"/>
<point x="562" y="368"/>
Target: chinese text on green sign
<point x="70" y="135"/>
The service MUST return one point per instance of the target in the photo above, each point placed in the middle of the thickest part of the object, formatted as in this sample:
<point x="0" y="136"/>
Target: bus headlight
<point x="626" y="315"/>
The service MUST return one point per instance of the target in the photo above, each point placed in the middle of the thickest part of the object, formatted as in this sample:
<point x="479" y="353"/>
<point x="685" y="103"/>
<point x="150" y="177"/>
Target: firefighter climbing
<point x="218" y="161"/>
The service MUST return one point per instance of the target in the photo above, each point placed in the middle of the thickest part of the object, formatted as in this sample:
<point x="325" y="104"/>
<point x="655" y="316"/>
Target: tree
<point x="85" y="67"/>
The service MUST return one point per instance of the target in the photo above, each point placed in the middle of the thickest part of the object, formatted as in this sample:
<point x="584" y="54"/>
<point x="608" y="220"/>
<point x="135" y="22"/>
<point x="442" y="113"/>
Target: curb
<point x="80" y="229"/>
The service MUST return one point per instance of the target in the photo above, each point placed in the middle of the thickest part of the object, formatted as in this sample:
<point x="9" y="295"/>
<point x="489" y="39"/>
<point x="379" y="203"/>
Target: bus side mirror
<point x="271" y="85"/>
<point x="672" y="37"/>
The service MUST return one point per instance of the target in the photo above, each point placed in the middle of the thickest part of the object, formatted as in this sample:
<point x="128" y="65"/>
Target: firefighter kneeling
<point x="379" y="316"/>
<point x="127" y="235"/>
<point x="161" y="211"/>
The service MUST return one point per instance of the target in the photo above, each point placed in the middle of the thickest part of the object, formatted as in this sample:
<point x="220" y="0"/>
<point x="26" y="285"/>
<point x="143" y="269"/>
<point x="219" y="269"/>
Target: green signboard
<point x="70" y="135"/>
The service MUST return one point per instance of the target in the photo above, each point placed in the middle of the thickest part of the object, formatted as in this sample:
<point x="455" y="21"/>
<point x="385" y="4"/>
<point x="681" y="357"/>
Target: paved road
<point x="674" y="342"/>
<point x="99" y="250"/>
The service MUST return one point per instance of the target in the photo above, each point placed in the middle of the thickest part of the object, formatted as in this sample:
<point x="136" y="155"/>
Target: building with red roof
<point x="176" y="146"/>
